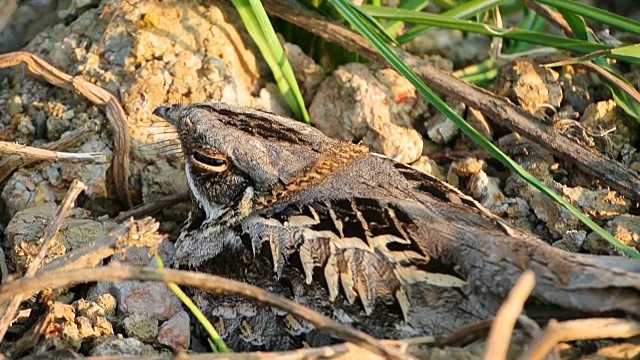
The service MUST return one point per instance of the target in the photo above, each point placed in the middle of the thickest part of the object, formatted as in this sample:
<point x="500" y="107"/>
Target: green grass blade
<point x="577" y="25"/>
<point x="463" y="11"/>
<point x="345" y="8"/>
<point x="415" y="5"/>
<point x="532" y="37"/>
<point x="214" y="337"/>
<point x="257" y="22"/>
<point x="596" y="14"/>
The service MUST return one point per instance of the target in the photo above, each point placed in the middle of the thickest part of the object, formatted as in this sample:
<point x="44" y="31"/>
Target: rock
<point x="26" y="189"/>
<point x="141" y="326"/>
<point x="123" y="347"/>
<point x="625" y="228"/>
<point x="487" y="191"/>
<point x="467" y="167"/>
<point x="307" y="72"/>
<point x="571" y="241"/>
<point x="429" y="166"/>
<point x="374" y="105"/>
<point x="529" y="85"/>
<point x="576" y="86"/>
<point x="478" y="121"/>
<point x="161" y="179"/>
<point x="176" y="332"/>
<point x="93" y="175"/>
<point x="440" y="129"/>
<point x="154" y="299"/>
<point x="25" y="229"/>
<point x="603" y="204"/>
<point x="604" y="116"/>
<point x="557" y="219"/>
<point x="459" y="49"/>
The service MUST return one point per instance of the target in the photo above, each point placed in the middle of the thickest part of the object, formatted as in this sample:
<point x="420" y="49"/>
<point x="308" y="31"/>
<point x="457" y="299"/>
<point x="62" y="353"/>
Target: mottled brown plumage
<point x="356" y="235"/>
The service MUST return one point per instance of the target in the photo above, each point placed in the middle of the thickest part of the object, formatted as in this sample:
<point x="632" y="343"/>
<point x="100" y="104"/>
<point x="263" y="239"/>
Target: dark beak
<point x="162" y="111"/>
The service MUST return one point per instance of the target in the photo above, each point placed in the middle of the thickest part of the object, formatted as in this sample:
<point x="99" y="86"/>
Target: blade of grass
<point x="415" y="5"/>
<point x="257" y="22"/>
<point x="214" y="337"/>
<point x="463" y="11"/>
<point x="489" y="30"/>
<point x="596" y="14"/>
<point x="345" y="8"/>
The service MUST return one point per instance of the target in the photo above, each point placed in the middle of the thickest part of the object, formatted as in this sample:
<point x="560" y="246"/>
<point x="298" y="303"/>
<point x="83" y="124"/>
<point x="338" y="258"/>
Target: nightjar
<point x="360" y="237"/>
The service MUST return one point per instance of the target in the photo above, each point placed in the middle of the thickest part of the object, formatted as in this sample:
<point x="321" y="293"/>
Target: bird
<point x="278" y="203"/>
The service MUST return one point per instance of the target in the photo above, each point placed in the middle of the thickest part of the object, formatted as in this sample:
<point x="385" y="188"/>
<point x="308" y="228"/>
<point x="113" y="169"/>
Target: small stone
<point x="441" y="130"/>
<point x="176" y="332"/>
<point x="85" y="327"/>
<point x="123" y="347"/>
<point x="25" y="128"/>
<point x="478" y="121"/>
<point x="307" y="72"/>
<point x="603" y="116"/>
<point x="529" y="85"/>
<point x="154" y="299"/>
<point x="141" y="326"/>
<point x="14" y="105"/>
<point x="625" y="228"/>
<point x="572" y="241"/>
<point x="429" y="166"/>
<point x="103" y="326"/>
<point x="487" y="190"/>
<point x="467" y="167"/>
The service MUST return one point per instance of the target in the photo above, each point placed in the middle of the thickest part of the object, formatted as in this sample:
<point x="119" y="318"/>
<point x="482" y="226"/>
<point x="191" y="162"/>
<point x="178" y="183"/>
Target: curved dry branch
<point x="29" y="286"/>
<point x="99" y="97"/>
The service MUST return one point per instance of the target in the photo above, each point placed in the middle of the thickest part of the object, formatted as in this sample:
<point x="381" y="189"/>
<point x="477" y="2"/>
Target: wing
<point x="360" y="248"/>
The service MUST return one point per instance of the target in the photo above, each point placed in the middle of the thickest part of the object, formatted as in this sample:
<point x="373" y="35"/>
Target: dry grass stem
<point x="583" y="329"/>
<point x="43" y="154"/>
<point x="29" y="286"/>
<point x="343" y="351"/>
<point x="505" y="320"/>
<point x="70" y="139"/>
<point x="139" y="233"/>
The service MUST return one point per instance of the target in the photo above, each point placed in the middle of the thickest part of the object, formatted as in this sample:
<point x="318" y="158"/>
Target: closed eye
<point x="211" y="163"/>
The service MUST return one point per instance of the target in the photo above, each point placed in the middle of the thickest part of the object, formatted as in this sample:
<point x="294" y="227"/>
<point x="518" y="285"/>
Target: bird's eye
<point x="211" y="163"/>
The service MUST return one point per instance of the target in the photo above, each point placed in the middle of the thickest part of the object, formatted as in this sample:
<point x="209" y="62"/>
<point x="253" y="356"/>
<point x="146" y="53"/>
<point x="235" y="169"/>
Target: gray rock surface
<point x="373" y="105"/>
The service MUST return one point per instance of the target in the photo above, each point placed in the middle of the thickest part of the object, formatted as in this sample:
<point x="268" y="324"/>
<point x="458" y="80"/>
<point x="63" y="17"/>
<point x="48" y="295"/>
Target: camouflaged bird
<point x="363" y="226"/>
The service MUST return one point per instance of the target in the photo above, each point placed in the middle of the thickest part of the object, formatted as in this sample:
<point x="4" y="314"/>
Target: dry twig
<point x="131" y="233"/>
<point x="505" y="320"/>
<point x="28" y="286"/>
<point x="583" y="329"/>
<point x="43" y="154"/>
<point x="342" y="351"/>
<point x="498" y="109"/>
<point x="96" y="95"/>
<point x="69" y="139"/>
<point x="50" y="231"/>
<point x="467" y="334"/>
